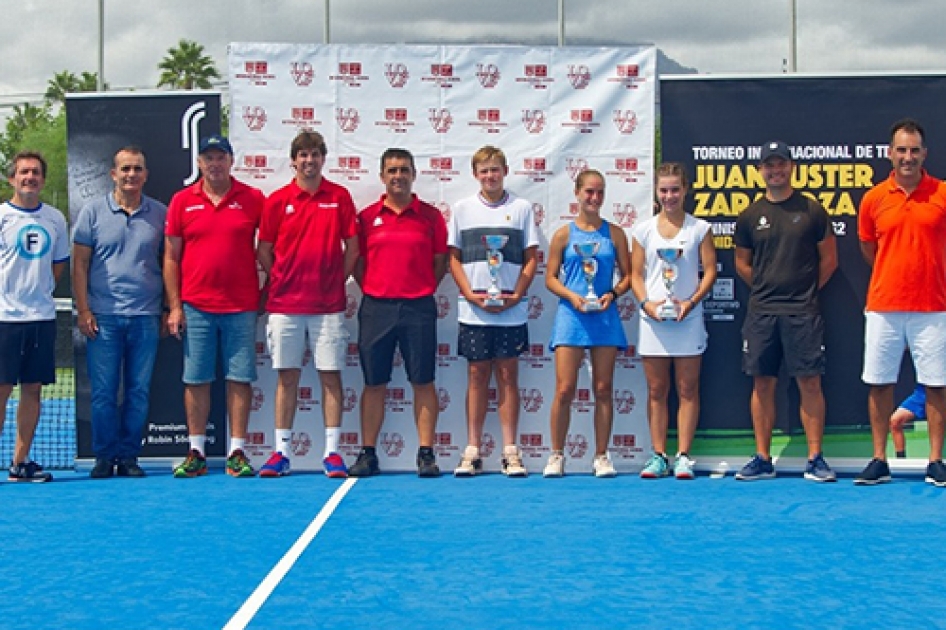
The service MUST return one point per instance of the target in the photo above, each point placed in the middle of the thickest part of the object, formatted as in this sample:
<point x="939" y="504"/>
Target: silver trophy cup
<point x="494" y="259"/>
<point x="670" y="309"/>
<point x="589" y="265"/>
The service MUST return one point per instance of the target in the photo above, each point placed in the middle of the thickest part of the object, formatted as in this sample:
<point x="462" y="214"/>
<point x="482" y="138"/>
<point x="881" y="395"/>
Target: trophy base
<point x="668" y="313"/>
<point x="493" y="301"/>
<point x="591" y="306"/>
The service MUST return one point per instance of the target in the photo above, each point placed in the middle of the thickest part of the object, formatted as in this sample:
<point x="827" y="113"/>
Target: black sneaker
<point x="427" y="462"/>
<point x="936" y="473"/>
<point x="30" y="472"/>
<point x="877" y="471"/>
<point x="128" y="467"/>
<point x="365" y="466"/>
<point x="103" y="468"/>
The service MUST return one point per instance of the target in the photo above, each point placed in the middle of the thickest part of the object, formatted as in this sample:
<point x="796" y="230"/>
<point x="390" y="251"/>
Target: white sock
<point x="331" y="440"/>
<point x="283" y="441"/>
<point x="237" y="443"/>
<point x="197" y="442"/>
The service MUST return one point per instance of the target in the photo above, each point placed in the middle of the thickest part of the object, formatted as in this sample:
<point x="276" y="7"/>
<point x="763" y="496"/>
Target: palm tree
<point x="187" y="67"/>
<point x="65" y="82"/>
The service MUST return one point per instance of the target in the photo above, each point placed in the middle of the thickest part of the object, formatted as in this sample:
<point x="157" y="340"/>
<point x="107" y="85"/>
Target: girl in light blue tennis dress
<point x="577" y="327"/>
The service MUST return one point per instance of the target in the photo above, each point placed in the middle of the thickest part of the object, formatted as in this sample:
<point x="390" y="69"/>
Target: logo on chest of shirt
<point x="193" y="208"/>
<point x="763" y="224"/>
<point x="33" y="241"/>
<point x="290" y="209"/>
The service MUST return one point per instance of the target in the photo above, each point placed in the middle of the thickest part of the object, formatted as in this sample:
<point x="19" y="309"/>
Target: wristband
<point x="643" y="302"/>
<point x="614" y="294"/>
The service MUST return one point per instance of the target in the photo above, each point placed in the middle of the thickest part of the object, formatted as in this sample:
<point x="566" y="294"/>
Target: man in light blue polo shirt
<point x="117" y="284"/>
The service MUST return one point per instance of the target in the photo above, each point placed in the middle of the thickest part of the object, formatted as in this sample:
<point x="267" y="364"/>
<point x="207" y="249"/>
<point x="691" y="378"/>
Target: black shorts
<point x="407" y="324"/>
<point x="28" y="352"/>
<point x="798" y="339"/>
<point x="484" y="343"/>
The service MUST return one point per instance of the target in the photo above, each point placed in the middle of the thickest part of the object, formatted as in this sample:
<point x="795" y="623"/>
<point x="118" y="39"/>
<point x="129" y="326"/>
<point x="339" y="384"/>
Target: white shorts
<point x="328" y="339"/>
<point x="670" y="338"/>
<point x="887" y="335"/>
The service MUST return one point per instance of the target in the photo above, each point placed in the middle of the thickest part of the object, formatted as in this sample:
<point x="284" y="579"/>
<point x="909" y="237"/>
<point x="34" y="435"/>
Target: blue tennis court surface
<point x="490" y="552"/>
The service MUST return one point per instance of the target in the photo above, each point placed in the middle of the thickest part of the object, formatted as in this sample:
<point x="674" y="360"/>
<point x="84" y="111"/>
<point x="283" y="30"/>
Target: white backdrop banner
<point x="553" y="111"/>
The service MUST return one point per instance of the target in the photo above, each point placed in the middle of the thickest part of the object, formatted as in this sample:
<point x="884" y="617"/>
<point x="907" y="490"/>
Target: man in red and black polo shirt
<point x="403" y="256"/>
<point x="212" y="288"/>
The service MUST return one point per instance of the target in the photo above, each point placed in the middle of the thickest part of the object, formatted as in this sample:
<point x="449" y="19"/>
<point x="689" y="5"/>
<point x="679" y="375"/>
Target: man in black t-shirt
<point x="785" y="251"/>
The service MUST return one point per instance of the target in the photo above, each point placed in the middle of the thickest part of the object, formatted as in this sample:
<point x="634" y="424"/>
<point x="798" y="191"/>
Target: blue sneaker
<point x="877" y="471"/>
<point x="334" y="466"/>
<point x="276" y="466"/>
<point x="818" y="470"/>
<point x="757" y="468"/>
<point x="656" y="466"/>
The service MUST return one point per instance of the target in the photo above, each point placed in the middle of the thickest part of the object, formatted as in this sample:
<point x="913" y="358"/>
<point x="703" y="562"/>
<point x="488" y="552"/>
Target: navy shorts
<point x="485" y="343"/>
<point x="28" y="352"/>
<point x="406" y="324"/>
<point x="768" y="339"/>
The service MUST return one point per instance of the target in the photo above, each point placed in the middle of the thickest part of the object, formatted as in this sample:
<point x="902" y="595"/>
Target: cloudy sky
<point x="41" y="37"/>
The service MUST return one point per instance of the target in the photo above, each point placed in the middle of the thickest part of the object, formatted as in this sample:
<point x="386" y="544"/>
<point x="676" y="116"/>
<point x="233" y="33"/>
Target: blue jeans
<point x="122" y="353"/>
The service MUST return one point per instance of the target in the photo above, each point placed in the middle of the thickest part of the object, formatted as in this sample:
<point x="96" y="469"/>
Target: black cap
<point x="775" y="149"/>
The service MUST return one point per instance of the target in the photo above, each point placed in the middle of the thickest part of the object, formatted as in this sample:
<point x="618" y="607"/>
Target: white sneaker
<point x="603" y="467"/>
<point x="556" y="466"/>
<point x="683" y="467"/>
<point x="471" y="464"/>
<point x="512" y="462"/>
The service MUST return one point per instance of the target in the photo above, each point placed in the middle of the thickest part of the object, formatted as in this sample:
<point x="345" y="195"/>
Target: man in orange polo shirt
<point x="402" y="258"/>
<point x="902" y="229"/>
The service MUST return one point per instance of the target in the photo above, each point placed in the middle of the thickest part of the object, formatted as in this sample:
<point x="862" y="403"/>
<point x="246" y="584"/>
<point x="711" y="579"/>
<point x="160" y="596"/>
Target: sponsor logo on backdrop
<point x="348" y="167"/>
<point x="349" y="399"/>
<point x="533" y="120"/>
<point x="443" y="305"/>
<point x="300" y="444"/>
<point x="305" y="399"/>
<point x="538" y="214"/>
<point x="443" y="398"/>
<point x="625" y="214"/>
<point x="531" y="399"/>
<point x="392" y="444"/>
<point x="255" y="73"/>
<point x="440" y="119"/>
<point x="254" y="117"/>
<point x="540" y="258"/>
<point x="397" y="74"/>
<point x="535" y="356"/>
<point x="262" y="353"/>
<point x="445" y="210"/>
<point x="445" y="356"/>
<point x="302" y="118"/>
<point x="626" y="306"/>
<point x="583" y="401"/>
<point x="624" y="446"/>
<point x="350" y="74"/>
<point x="532" y="446"/>
<point x="301" y="72"/>
<point x="574" y="166"/>
<point x="625" y="120"/>
<point x="488" y="74"/>
<point x="576" y="445"/>
<point x="348" y="444"/>
<point x="627" y="75"/>
<point x="441" y="75"/>
<point x="579" y="76"/>
<point x="624" y="400"/>
<point x="351" y="356"/>
<point x="395" y="119"/>
<point x="258" y="399"/>
<point x="536" y="75"/>
<point x="536" y="307"/>
<point x="489" y="120"/>
<point x="395" y="399"/>
<point x="535" y="168"/>
<point x="626" y="169"/>
<point x="628" y="358"/>
<point x="581" y="120"/>
<point x="347" y="119"/>
<point x="487" y="445"/>
<point x="440" y="168"/>
<point x="190" y="135"/>
<point x="251" y="167"/>
<point x="351" y="306"/>
<point x="444" y="446"/>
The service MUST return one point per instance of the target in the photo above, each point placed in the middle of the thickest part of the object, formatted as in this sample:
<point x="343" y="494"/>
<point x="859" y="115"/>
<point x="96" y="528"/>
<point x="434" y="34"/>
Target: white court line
<point x="248" y="610"/>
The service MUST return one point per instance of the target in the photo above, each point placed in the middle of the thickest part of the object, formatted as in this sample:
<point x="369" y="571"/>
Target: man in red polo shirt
<point x="403" y="256"/>
<point x="308" y="245"/>
<point x="212" y="289"/>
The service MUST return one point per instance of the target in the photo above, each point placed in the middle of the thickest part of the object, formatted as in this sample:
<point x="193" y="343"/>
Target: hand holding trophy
<point x="494" y="259"/>
<point x="670" y="309"/>
<point x="589" y="265"/>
